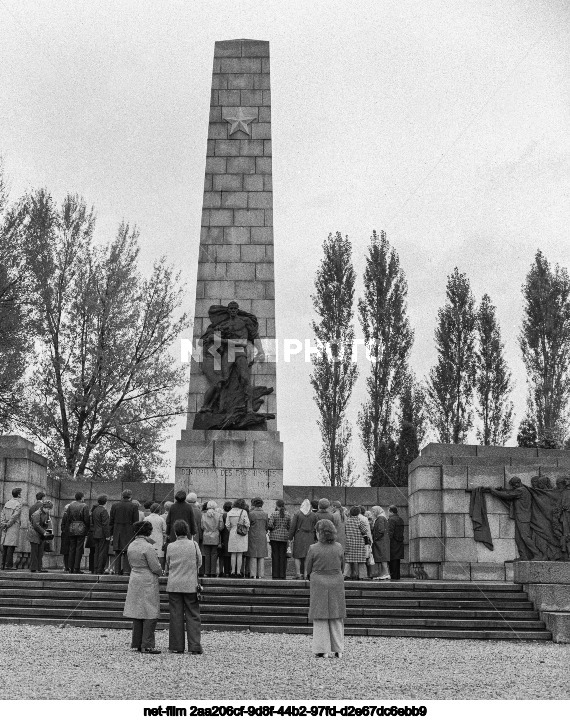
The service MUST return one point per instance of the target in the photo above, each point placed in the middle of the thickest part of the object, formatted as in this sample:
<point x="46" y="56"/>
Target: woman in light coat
<point x="158" y="534"/>
<point x="327" y="609"/>
<point x="302" y="533"/>
<point x="10" y="526"/>
<point x="380" y="543"/>
<point x="212" y="523"/>
<point x="143" y="597"/>
<point x="237" y="544"/>
<point x="183" y="559"/>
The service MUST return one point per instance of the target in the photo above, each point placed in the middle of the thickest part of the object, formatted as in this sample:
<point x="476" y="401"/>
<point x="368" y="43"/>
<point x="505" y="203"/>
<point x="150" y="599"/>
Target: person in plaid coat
<point x="279" y="523"/>
<point x="357" y="538"/>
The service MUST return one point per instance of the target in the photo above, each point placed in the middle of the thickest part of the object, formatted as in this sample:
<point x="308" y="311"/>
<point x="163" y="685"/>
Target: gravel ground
<point x="51" y="660"/>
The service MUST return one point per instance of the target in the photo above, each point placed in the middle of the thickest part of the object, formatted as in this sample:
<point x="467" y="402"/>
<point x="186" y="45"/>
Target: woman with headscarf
<point x="237" y="542"/>
<point x="380" y="543"/>
<point x="158" y="534"/>
<point x="212" y="524"/>
<point x="327" y="610"/>
<point x="302" y="534"/>
<point x="357" y="538"/>
<point x="257" y="543"/>
<point x="279" y="524"/>
<point x="143" y="597"/>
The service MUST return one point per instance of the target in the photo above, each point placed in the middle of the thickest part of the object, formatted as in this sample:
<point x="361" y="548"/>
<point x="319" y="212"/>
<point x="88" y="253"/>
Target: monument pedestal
<point x="225" y="465"/>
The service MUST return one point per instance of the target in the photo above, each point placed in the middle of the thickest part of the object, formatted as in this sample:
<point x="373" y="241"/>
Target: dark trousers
<point x="278" y="559"/>
<point x="101" y="554"/>
<point x="122" y="564"/>
<point x="394" y="568"/>
<point x="184" y="607"/>
<point x="8" y="556"/>
<point x="92" y="558"/>
<point x="225" y="563"/>
<point x="210" y="559"/>
<point x="37" y="555"/>
<point x="76" y="544"/>
<point x="143" y="633"/>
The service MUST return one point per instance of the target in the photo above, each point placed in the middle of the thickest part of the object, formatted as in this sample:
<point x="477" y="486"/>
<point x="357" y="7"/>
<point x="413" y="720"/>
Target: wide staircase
<point x="423" y="609"/>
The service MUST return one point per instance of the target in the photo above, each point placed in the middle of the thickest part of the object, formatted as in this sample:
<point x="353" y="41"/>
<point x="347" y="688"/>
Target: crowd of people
<point x="186" y="540"/>
<point x="234" y="539"/>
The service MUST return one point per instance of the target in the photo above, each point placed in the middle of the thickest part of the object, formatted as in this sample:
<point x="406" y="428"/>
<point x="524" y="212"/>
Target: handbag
<point x="77" y="528"/>
<point x="241" y="528"/>
<point x="199" y="587"/>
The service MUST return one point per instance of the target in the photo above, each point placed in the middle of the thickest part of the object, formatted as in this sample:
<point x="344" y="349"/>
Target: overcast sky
<point x="443" y="122"/>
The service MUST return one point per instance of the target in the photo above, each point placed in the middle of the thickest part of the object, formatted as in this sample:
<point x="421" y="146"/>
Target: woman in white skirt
<point x="327" y="610"/>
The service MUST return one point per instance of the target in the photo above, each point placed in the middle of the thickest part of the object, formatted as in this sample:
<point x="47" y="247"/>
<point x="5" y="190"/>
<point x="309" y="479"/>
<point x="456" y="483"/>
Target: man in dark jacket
<point x="78" y="528"/>
<point x="101" y="534"/>
<point x="124" y="515"/>
<point x="396" y="533"/>
<point x="37" y="505"/>
<point x="181" y="511"/>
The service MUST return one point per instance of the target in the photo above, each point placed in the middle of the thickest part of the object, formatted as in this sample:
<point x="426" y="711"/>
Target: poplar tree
<point x="451" y="381"/>
<point x="334" y="370"/>
<point x="545" y="346"/>
<point x="388" y="338"/>
<point x="493" y="379"/>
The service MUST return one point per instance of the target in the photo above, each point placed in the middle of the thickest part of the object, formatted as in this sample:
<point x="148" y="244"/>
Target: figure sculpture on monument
<point x="230" y="346"/>
<point x="562" y="514"/>
<point x="519" y="500"/>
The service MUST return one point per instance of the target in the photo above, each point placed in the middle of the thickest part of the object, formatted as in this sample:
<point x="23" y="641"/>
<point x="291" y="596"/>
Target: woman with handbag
<point x="237" y="522"/>
<point x="143" y="596"/>
<point x="183" y="559"/>
<point x="380" y="543"/>
<point x="279" y="524"/>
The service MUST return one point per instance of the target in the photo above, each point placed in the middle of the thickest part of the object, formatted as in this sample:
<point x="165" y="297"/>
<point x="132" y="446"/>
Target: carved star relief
<point x="239" y="119"/>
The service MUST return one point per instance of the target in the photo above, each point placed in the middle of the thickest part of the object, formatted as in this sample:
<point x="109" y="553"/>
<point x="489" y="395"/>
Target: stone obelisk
<point x="231" y="446"/>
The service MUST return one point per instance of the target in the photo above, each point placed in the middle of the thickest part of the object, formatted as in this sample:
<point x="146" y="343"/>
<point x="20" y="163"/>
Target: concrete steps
<point x="427" y="609"/>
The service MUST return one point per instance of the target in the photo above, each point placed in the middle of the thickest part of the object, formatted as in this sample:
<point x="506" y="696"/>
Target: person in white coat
<point x="237" y="543"/>
<point x="10" y="524"/>
<point x="158" y="534"/>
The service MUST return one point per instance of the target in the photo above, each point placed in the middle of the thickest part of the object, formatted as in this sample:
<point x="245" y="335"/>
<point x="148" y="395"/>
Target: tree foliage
<point x="545" y="345"/>
<point x="334" y="371"/>
<point x="493" y="379"/>
<point x="451" y="380"/>
<point x="388" y="338"/>
<point x="104" y="385"/>
<point x="14" y="337"/>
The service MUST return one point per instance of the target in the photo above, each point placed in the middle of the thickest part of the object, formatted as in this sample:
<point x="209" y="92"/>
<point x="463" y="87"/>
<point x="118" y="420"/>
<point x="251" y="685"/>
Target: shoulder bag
<point x="241" y="528"/>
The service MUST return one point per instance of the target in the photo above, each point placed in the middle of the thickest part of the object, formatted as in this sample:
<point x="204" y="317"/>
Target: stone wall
<point x="21" y="467"/>
<point x="441" y="532"/>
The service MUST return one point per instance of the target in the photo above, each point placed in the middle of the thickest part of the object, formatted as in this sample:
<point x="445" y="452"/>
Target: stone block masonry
<point x="236" y="263"/>
<point x="439" y="484"/>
